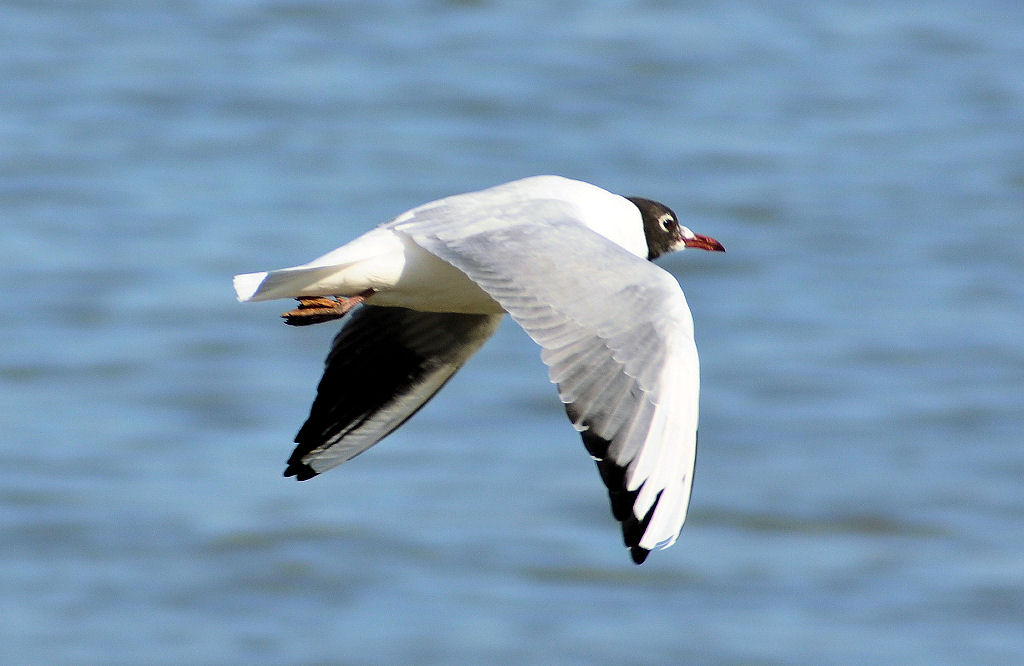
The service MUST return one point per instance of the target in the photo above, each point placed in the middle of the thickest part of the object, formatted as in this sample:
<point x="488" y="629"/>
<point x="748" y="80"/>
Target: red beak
<point x="704" y="243"/>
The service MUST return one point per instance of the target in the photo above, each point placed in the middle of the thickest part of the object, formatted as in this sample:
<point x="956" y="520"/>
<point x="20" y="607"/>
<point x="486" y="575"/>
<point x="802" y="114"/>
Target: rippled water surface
<point x="860" y="485"/>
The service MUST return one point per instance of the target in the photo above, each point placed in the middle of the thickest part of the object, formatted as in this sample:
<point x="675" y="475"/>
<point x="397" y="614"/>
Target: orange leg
<point x="320" y="309"/>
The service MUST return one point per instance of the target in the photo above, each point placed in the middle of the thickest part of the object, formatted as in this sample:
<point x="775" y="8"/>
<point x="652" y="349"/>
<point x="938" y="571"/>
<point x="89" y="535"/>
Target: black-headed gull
<point x="568" y="261"/>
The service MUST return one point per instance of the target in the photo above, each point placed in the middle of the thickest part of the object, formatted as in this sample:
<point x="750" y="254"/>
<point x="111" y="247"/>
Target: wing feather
<point x="616" y="334"/>
<point x="384" y="365"/>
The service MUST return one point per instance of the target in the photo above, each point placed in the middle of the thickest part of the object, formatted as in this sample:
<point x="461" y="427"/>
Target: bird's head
<point x="664" y="233"/>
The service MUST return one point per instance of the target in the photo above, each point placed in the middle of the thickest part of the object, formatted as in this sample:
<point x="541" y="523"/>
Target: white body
<point x="403" y="274"/>
<point x="406" y="275"/>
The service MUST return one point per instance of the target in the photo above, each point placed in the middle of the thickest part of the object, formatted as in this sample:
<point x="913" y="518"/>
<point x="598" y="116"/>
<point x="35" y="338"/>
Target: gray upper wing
<point x="616" y="334"/>
<point x="384" y="365"/>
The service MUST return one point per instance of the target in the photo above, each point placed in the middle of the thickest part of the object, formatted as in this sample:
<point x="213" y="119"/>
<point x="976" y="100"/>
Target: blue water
<point x="860" y="487"/>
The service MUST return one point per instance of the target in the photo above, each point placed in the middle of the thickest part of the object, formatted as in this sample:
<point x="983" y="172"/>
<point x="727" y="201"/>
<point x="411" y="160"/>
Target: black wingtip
<point x="633" y="530"/>
<point x="300" y="471"/>
<point x="622" y="500"/>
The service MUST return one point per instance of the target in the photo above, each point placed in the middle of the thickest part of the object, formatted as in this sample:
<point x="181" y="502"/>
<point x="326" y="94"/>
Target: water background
<point x="860" y="487"/>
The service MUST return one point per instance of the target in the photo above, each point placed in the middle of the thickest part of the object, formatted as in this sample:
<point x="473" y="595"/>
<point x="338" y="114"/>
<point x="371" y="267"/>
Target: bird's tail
<point x="341" y="272"/>
<point x="285" y="283"/>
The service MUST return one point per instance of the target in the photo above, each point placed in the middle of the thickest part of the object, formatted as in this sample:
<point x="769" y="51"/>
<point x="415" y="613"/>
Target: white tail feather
<point x="247" y="284"/>
<point x="374" y="260"/>
<point x="291" y="283"/>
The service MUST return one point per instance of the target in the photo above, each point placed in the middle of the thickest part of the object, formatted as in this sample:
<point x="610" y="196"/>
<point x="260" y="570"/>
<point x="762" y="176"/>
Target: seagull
<point x="570" y="263"/>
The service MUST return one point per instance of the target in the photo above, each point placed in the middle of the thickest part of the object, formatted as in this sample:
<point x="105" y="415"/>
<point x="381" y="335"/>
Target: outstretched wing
<point x="617" y="337"/>
<point x="384" y="365"/>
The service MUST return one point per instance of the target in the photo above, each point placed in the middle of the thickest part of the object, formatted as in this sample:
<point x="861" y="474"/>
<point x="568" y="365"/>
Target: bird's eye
<point x="669" y="223"/>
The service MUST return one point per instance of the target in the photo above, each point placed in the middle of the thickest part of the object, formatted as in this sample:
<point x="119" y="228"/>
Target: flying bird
<point x="569" y="262"/>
